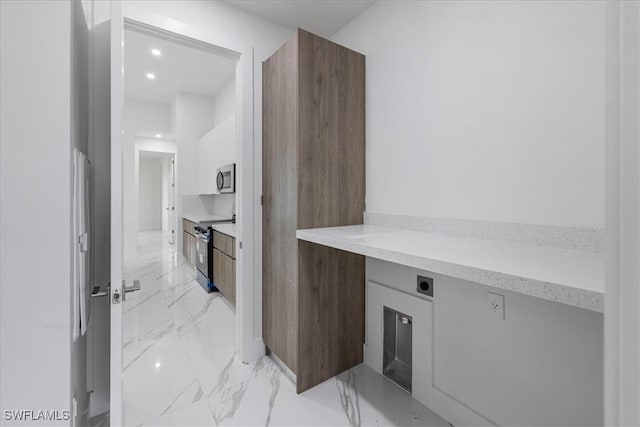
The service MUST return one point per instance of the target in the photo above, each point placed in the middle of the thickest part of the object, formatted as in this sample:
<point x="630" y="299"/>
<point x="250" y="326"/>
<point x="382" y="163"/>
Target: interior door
<point x="172" y="204"/>
<point x="116" y="296"/>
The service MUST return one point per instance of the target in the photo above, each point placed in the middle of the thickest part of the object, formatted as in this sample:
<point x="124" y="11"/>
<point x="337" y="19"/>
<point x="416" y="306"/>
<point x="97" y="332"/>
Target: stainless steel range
<point x="204" y="262"/>
<point x="204" y="253"/>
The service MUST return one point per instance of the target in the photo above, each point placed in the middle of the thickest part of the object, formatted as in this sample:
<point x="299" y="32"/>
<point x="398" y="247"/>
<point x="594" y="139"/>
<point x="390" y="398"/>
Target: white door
<point x="171" y="217"/>
<point x="117" y="290"/>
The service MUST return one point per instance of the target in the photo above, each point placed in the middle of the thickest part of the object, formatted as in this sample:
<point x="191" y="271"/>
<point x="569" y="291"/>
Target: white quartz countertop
<point x="566" y="276"/>
<point x="228" y="229"/>
<point x="205" y="218"/>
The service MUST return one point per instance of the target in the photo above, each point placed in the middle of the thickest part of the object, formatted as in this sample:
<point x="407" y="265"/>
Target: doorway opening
<point x="179" y="329"/>
<point x="156" y="195"/>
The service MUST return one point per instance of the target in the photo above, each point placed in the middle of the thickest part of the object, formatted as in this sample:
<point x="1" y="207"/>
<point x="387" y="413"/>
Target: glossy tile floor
<point x="180" y="367"/>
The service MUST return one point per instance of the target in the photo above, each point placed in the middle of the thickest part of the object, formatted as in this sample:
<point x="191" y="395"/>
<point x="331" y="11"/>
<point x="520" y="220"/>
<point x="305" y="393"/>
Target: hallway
<point x="180" y="369"/>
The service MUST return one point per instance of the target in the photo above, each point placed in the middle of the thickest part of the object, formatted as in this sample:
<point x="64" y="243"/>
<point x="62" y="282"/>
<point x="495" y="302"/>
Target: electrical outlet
<point x="495" y="305"/>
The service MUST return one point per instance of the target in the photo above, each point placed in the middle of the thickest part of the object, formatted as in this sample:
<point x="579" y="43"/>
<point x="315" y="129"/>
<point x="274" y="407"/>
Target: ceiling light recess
<point x="156" y="52"/>
<point x="151" y="76"/>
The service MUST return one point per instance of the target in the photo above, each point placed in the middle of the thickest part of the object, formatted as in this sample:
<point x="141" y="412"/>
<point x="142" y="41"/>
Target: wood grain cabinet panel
<point x="188" y="226"/>
<point x="185" y="245"/>
<point x="189" y="241"/>
<point x="224" y="243"/>
<point x="193" y="252"/>
<point x="224" y="265"/>
<point x="313" y="176"/>
<point x="223" y="273"/>
<point x="233" y="282"/>
<point x="331" y="312"/>
<point x="280" y="203"/>
<point x="189" y="248"/>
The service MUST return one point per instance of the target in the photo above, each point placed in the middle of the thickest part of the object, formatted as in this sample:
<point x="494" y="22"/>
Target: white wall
<point x="194" y="117"/>
<point x="147" y="117"/>
<point x="140" y="118"/>
<point x="216" y="148"/>
<point x="35" y="206"/>
<point x="224" y="103"/>
<point x="484" y="110"/>
<point x="150" y="194"/>
<point x="201" y="205"/>
<point x="224" y="205"/>
<point x="493" y="111"/>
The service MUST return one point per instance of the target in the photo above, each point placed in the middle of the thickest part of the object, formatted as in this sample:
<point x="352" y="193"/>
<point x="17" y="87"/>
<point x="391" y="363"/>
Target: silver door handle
<point x="99" y="291"/>
<point x="132" y="288"/>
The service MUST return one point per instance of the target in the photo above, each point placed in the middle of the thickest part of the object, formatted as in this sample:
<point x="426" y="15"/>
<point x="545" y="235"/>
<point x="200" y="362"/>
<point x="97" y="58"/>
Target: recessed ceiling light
<point x="157" y="365"/>
<point x="151" y="76"/>
<point x="156" y="52"/>
<point x="158" y="135"/>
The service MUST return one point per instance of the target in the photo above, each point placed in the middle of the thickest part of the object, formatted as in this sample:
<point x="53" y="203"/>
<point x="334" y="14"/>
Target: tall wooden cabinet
<point x="313" y="176"/>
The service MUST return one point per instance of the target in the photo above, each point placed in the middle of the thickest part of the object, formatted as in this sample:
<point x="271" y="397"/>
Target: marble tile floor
<point x="180" y="367"/>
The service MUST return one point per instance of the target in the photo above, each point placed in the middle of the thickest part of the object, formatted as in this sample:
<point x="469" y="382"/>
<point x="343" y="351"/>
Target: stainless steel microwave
<point x="226" y="179"/>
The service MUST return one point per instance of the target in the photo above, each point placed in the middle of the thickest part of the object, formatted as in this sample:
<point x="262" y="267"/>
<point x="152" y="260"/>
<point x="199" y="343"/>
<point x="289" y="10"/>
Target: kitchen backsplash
<point x="222" y="204"/>
<point x="209" y="204"/>
<point x="576" y="238"/>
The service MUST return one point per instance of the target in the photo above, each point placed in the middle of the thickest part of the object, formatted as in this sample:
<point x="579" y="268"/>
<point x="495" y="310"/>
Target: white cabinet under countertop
<point x="216" y="148"/>
<point x="539" y="365"/>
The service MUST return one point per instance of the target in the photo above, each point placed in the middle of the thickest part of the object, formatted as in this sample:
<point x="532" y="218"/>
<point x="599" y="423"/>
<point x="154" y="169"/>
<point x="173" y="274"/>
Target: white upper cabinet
<point x="215" y="148"/>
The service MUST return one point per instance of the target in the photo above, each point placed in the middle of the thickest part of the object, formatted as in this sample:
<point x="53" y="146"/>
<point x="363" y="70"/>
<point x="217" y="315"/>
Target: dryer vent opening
<point x="397" y="347"/>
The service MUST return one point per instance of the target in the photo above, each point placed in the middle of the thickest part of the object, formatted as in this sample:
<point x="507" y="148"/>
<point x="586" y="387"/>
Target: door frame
<point x="156" y="146"/>
<point x="116" y="291"/>
<point x="249" y="343"/>
<point x="622" y="229"/>
<point x="163" y="155"/>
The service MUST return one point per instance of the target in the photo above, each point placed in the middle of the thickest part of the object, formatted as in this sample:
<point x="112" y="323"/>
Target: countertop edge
<point x="223" y="228"/>
<point x="207" y="219"/>
<point x="557" y="292"/>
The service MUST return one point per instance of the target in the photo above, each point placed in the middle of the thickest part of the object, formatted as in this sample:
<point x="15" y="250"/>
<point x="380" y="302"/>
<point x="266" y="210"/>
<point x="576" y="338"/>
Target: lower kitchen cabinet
<point x="189" y="242"/>
<point x="224" y="275"/>
<point x="189" y="248"/>
<point x="224" y="265"/>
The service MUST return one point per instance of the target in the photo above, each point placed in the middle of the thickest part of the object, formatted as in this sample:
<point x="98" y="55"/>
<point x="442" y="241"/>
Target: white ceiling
<point x="178" y="69"/>
<point x="321" y="17"/>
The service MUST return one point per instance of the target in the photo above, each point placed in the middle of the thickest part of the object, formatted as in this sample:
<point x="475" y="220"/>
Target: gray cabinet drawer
<point x="188" y="226"/>
<point x="226" y="244"/>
